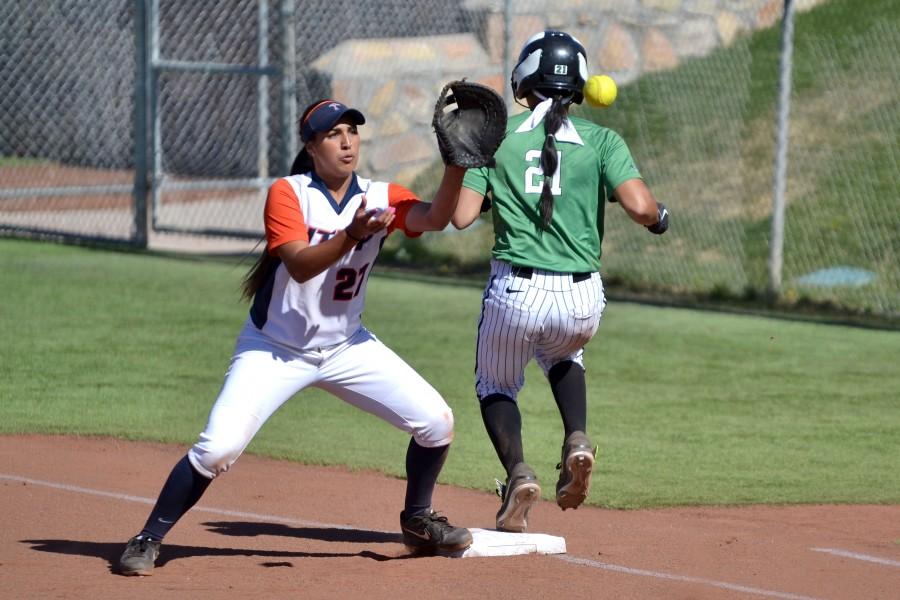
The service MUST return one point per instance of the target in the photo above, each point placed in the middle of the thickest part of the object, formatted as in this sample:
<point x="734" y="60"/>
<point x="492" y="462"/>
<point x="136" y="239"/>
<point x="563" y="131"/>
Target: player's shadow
<point x="325" y="534"/>
<point x="110" y="552"/>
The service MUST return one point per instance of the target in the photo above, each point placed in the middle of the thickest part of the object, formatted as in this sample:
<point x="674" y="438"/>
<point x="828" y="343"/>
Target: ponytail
<point x="262" y="269"/>
<point x="302" y="163"/>
<point x="553" y="120"/>
<point x="265" y="264"/>
<point x="258" y="274"/>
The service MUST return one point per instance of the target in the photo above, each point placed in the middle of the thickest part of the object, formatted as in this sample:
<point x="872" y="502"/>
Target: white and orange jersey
<point x="326" y="309"/>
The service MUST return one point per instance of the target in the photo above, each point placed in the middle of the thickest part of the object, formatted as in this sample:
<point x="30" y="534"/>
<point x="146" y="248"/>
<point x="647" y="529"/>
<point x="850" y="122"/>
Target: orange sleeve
<point x="402" y="200"/>
<point x="283" y="217"/>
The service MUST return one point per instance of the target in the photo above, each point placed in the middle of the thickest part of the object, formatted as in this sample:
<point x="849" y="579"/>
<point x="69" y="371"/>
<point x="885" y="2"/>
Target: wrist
<point x="350" y="235"/>
<point x="662" y="221"/>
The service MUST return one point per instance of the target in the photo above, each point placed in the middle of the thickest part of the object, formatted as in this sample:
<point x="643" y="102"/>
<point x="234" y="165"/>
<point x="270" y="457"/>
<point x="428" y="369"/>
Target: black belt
<point x="527" y="272"/>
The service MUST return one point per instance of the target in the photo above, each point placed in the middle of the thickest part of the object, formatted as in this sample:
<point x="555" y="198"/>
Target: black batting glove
<point x="662" y="224"/>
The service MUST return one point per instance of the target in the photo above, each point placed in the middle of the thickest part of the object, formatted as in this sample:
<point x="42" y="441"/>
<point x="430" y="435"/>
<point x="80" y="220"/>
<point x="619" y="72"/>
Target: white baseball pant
<point x="361" y="371"/>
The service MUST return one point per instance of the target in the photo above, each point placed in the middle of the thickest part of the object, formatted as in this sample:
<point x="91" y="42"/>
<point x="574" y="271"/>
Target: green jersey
<point x="593" y="161"/>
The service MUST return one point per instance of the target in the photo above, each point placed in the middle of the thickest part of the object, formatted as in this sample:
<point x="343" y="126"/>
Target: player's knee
<point x="213" y="460"/>
<point x="494" y="398"/>
<point x="488" y="394"/>
<point x="437" y="432"/>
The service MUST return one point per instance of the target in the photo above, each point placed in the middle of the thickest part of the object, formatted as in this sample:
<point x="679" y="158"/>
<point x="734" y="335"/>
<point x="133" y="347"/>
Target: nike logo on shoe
<point x="422" y="536"/>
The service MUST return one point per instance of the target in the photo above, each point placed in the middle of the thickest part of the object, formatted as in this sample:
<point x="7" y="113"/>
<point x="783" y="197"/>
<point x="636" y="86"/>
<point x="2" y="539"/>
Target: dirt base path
<point x="273" y="529"/>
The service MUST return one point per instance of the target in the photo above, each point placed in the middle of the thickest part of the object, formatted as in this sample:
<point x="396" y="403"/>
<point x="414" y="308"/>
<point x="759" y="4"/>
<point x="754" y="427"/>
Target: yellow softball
<point x="600" y="90"/>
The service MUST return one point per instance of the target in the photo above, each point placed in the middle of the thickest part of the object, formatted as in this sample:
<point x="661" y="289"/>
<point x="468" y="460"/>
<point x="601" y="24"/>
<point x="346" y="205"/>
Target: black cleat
<point x="430" y="532"/>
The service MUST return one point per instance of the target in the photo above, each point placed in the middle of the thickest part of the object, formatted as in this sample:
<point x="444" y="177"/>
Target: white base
<point x="488" y="542"/>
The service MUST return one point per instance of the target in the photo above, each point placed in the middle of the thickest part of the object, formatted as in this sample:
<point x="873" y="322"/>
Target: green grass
<point x="688" y="407"/>
<point x="18" y="161"/>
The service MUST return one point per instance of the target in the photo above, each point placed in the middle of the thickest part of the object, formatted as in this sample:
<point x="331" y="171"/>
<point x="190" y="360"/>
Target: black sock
<point x="423" y="465"/>
<point x="567" y="383"/>
<point x="181" y="491"/>
<point x="503" y="422"/>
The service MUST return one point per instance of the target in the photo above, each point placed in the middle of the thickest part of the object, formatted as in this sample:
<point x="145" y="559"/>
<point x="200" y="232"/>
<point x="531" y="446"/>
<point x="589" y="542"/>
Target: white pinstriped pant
<point x="547" y="317"/>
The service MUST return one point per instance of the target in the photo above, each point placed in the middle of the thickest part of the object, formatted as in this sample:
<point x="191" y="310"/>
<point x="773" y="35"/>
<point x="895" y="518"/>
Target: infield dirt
<point x="274" y="529"/>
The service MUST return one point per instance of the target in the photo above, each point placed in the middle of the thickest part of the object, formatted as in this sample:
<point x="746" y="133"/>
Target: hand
<point x="366" y="222"/>
<point x="662" y="223"/>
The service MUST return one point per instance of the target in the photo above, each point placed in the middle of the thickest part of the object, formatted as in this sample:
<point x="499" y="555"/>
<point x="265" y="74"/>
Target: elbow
<point x="433" y="221"/>
<point x="440" y="224"/>
<point x="460" y="222"/>
<point x="299" y="275"/>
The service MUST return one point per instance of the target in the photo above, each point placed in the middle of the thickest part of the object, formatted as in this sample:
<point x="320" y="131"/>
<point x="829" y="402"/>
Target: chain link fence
<point x="843" y="217"/>
<point x="144" y="120"/>
<point x="705" y="138"/>
<point x="67" y="119"/>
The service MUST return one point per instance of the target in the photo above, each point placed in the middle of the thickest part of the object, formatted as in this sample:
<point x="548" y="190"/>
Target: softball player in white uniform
<point x="545" y="296"/>
<point x="324" y="228"/>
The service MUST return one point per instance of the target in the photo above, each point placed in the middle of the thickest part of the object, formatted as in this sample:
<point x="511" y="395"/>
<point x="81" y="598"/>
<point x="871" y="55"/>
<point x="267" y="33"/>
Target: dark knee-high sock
<point x="567" y="383"/>
<point x="503" y="422"/>
<point x="423" y="465"/>
<point x="181" y="491"/>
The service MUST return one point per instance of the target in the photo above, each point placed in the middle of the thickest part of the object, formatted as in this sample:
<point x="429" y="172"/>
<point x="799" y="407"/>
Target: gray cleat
<point x="518" y="494"/>
<point x="575" y="470"/>
<point x="140" y="556"/>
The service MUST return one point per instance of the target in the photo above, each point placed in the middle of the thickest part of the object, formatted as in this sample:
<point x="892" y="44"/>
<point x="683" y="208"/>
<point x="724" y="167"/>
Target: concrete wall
<point x="395" y="81"/>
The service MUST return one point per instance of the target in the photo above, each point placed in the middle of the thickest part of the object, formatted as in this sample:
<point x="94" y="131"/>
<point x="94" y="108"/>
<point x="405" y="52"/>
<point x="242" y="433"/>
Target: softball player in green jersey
<point x="545" y="296"/>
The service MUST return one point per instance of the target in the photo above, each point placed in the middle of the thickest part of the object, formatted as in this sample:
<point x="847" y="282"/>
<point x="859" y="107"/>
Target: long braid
<point x="549" y="160"/>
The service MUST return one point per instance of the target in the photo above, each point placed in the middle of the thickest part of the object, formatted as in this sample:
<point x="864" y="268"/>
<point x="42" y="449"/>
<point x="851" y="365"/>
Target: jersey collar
<point x="566" y="132"/>
<point x="354" y="189"/>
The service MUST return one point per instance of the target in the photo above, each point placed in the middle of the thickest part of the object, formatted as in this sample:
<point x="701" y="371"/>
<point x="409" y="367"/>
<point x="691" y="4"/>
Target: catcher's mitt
<point x="469" y="134"/>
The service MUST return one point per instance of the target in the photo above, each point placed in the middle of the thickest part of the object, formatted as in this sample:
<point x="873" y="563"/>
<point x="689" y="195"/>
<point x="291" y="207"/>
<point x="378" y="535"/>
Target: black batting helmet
<point x="551" y="61"/>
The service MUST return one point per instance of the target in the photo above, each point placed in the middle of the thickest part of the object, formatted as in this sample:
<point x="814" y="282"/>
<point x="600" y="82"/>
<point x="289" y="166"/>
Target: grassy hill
<point x="703" y="136"/>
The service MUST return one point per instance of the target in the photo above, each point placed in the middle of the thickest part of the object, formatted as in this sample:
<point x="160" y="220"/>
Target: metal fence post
<point x="155" y="117"/>
<point x="776" y="245"/>
<point x="288" y="85"/>
<point x="141" y="73"/>
<point x="507" y="57"/>
<point x="262" y="89"/>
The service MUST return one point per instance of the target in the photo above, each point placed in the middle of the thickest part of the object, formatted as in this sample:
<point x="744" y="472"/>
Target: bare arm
<point x="304" y="262"/>
<point x="435" y="215"/>
<point x="638" y="201"/>
<point x="467" y="209"/>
